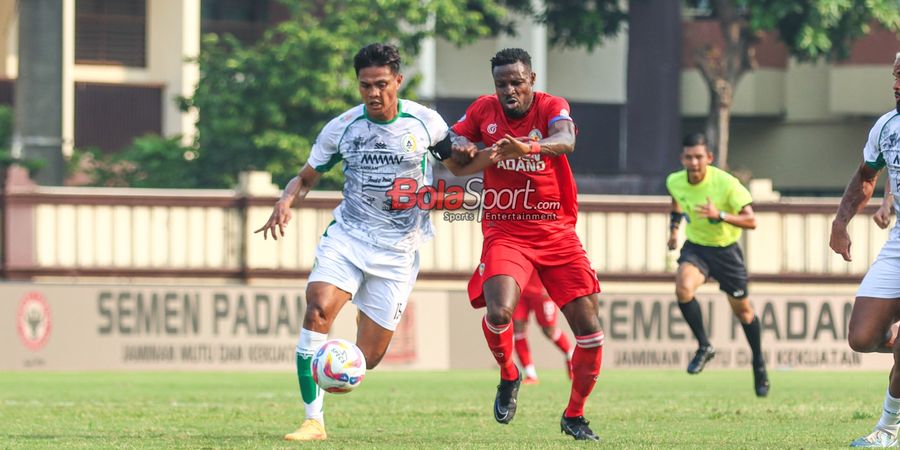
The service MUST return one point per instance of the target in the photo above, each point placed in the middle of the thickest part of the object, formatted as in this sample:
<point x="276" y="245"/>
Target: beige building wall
<point x="464" y="72"/>
<point x="9" y="23"/>
<point x="800" y="156"/>
<point x="865" y="90"/>
<point x="597" y="77"/>
<point x="808" y="123"/>
<point x="806" y="90"/>
<point x="759" y="93"/>
<point x="577" y="75"/>
<point x="173" y="36"/>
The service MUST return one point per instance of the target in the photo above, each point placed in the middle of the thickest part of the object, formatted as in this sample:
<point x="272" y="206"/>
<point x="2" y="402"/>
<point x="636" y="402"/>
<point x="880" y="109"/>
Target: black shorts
<point x="725" y="264"/>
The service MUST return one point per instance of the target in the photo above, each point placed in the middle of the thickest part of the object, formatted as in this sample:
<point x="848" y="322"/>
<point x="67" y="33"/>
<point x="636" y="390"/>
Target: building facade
<point x="125" y="62"/>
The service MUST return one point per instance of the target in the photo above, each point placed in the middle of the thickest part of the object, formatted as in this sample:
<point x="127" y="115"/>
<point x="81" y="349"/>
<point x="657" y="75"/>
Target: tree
<point x="261" y="106"/>
<point x="811" y="30"/>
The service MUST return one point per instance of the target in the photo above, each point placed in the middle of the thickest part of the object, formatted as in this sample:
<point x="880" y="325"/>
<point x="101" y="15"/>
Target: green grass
<point x="629" y="409"/>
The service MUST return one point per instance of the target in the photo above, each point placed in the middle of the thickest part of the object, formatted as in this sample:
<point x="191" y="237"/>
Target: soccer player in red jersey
<point x="528" y="222"/>
<point x="535" y="299"/>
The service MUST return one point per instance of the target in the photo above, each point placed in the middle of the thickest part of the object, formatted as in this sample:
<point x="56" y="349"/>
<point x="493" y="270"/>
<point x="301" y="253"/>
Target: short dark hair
<point x="377" y="55"/>
<point x="510" y="56"/>
<point x="692" y="139"/>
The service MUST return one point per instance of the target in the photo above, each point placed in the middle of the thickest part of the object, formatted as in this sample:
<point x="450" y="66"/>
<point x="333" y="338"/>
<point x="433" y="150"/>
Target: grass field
<point x="629" y="409"/>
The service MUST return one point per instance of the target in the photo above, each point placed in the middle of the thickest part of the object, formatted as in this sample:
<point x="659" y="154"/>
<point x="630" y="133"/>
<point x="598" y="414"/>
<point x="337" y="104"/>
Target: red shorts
<point x="535" y="299"/>
<point x="562" y="265"/>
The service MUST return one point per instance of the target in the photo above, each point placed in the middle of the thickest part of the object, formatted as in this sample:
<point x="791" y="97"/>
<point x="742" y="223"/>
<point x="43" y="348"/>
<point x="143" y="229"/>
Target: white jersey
<point x="883" y="149"/>
<point x="374" y="155"/>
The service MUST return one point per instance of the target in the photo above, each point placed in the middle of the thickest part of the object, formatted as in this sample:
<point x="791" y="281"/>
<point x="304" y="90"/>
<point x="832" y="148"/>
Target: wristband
<point x="675" y="220"/>
<point x="535" y="147"/>
<point x="722" y="216"/>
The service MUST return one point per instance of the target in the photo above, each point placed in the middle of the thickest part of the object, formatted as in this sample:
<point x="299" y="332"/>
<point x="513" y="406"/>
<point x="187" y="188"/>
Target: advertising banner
<point x="237" y="327"/>
<point x="81" y="327"/>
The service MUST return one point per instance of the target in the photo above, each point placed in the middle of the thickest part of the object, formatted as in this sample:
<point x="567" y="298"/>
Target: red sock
<point x="586" y="365"/>
<point x="562" y="342"/>
<point x="522" y="349"/>
<point x="500" y="341"/>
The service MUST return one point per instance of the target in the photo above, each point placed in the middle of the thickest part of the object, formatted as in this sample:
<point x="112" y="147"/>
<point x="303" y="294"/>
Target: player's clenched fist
<point x="280" y="217"/>
<point x="840" y="241"/>
<point x="462" y="150"/>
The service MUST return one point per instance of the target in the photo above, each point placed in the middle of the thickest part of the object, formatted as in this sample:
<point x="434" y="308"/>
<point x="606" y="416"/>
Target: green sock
<point x="308" y="388"/>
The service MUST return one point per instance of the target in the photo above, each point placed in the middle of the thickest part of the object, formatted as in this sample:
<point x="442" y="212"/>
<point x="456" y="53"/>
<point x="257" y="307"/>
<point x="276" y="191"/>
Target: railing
<point x="135" y="233"/>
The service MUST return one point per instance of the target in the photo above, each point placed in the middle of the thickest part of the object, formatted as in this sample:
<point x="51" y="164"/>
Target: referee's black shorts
<point x="725" y="264"/>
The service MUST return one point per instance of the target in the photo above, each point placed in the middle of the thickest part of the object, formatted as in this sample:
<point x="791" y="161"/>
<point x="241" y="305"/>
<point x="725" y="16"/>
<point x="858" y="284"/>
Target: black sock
<point x="694" y="319"/>
<point x="752" y="331"/>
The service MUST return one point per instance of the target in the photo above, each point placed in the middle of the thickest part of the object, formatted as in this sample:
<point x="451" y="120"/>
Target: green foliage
<point x="149" y="162"/>
<point x="817" y="29"/>
<point x="6" y="131"/>
<point x="261" y="106"/>
<point x="580" y="23"/>
<point x="825" y="28"/>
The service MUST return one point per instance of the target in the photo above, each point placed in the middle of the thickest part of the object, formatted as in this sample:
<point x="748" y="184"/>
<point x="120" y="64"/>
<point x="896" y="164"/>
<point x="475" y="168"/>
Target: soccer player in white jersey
<point x="369" y="254"/>
<point x="877" y="304"/>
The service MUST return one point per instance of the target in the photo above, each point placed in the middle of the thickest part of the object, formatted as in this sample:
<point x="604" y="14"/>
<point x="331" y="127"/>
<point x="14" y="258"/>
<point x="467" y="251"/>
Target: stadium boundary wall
<point x="176" y="280"/>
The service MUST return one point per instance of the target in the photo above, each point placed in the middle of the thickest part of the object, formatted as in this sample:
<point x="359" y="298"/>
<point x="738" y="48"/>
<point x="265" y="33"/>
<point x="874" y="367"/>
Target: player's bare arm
<point x="676" y="215"/>
<point x="465" y="158"/>
<point x="560" y="141"/>
<point x="882" y="217"/>
<point x="295" y="191"/>
<point x="858" y="193"/>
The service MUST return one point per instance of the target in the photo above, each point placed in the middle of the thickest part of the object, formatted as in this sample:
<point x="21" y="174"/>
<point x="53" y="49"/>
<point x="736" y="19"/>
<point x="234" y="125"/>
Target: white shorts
<point x="379" y="280"/>
<point x="883" y="278"/>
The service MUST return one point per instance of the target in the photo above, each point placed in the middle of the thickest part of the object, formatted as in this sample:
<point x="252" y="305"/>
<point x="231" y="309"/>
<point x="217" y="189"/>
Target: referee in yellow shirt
<point x="717" y="207"/>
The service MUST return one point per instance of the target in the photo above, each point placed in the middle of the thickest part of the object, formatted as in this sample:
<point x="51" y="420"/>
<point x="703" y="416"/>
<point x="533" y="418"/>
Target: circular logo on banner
<point x="33" y="321"/>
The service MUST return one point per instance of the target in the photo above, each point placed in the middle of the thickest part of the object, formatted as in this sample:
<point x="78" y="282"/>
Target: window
<point x="111" y="32"/>
<point x="244" y="19"/>
<point x="110" y="116"/>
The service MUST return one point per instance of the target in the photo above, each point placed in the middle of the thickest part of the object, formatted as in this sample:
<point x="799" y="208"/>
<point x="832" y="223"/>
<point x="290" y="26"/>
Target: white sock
<point x="307" y="345"/>
<point x="890" y="414"/>
<point x="530" y="372"/>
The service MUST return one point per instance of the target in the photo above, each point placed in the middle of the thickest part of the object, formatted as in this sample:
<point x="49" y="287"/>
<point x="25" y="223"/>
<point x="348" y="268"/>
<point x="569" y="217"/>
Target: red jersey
<point x="533" y="197"/>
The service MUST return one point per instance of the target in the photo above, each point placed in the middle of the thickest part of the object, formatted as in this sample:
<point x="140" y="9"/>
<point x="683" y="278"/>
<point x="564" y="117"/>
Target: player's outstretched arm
<point x="857" y="194"/>
<point x="295" y="191"/>
<point x="882" y="217"/>
<point x="560" y="140"/>
<point x="460" y="155"/>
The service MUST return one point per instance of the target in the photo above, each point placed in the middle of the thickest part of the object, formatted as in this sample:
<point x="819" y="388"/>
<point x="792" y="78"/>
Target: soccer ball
<point x="339" y="366"/>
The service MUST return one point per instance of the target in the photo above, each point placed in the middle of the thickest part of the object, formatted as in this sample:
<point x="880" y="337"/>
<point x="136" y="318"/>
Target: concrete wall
<point x="61" y="230"/>
<point x="801" y="156"/>
<point x="577" y="75"/>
